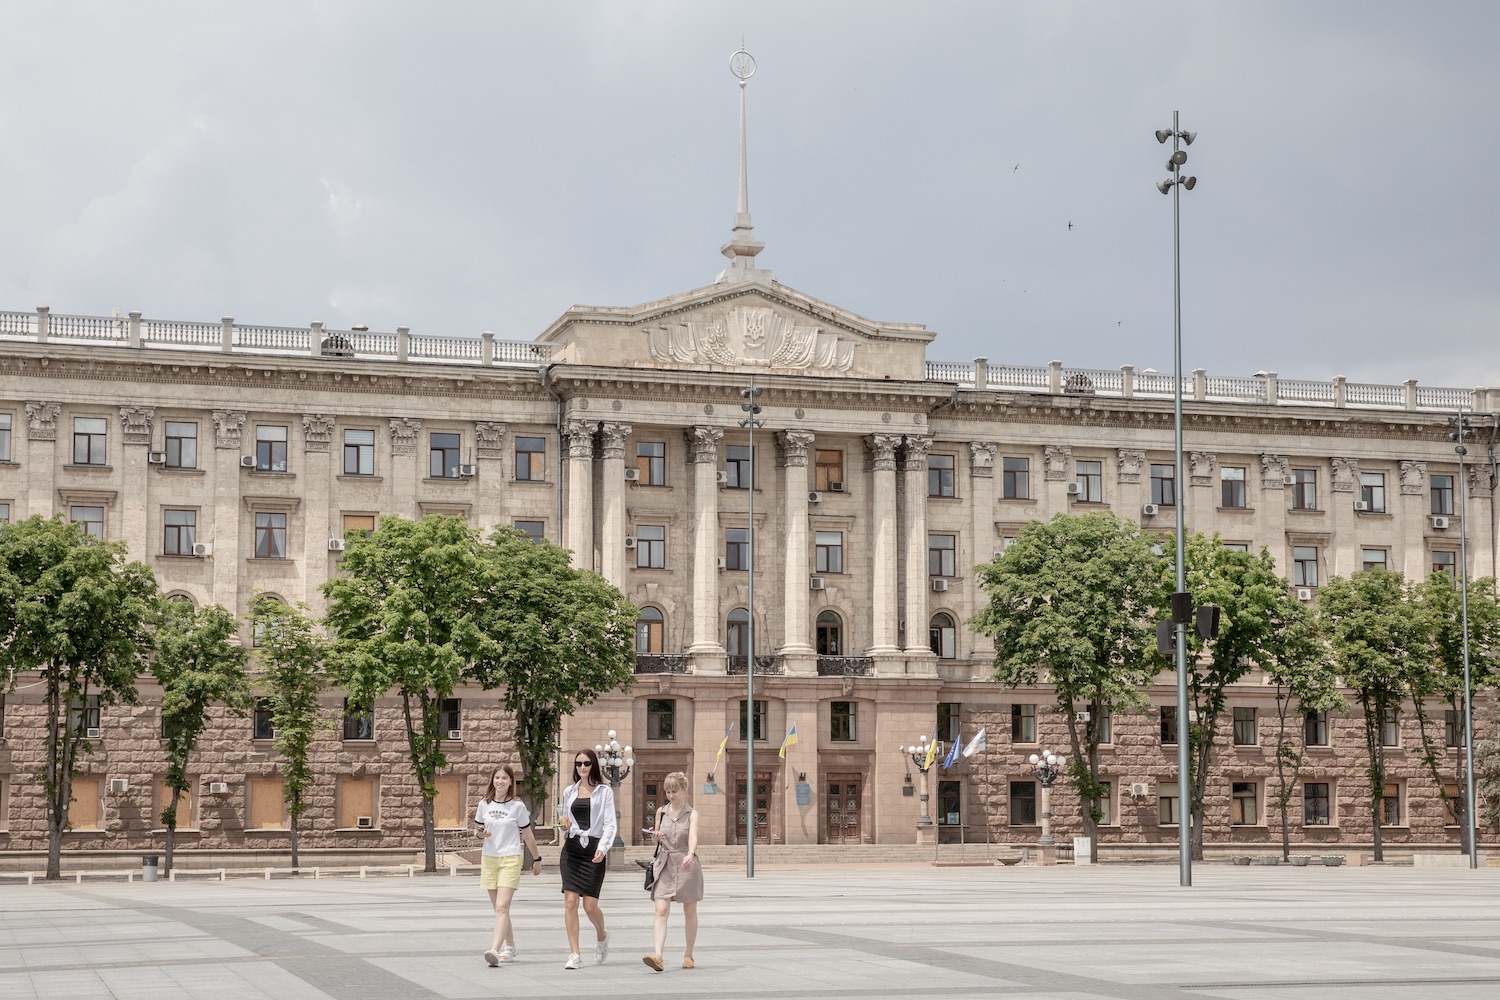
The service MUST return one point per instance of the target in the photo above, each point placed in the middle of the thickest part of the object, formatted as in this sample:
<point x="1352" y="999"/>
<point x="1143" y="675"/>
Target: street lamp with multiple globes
<point x="920" y="752"/>
<point x="615" y="763"/>
<point x="1048" y="767"/>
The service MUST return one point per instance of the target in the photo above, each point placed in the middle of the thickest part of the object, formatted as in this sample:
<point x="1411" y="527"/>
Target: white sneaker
<point x="508" y="953"/>
<point x="492" y="958"/>
<point x="575" y="961"/>
<point x="601" y="951"/>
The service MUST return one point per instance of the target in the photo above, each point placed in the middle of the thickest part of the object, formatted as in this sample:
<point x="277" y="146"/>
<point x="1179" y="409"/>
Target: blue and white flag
<point x="952" y="757"/>
<point x="976" y="745"/>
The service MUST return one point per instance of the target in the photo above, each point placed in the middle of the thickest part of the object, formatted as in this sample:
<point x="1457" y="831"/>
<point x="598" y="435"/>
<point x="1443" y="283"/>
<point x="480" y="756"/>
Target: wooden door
<point x="762" y="807"/>
<point x="845" y="797"/>
<point x="653" y="797"/>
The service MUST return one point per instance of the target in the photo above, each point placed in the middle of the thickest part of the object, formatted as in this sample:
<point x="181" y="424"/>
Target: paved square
<point x="857" y="931"/>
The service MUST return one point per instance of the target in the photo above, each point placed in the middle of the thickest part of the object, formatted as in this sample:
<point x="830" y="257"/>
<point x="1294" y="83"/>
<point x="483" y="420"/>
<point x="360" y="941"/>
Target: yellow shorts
<point x="500" y="873"/>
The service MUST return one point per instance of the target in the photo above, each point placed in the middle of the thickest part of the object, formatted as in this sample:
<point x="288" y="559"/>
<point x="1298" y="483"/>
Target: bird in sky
<point x="1070" y="225"/>
<point x="1015" y="168"/>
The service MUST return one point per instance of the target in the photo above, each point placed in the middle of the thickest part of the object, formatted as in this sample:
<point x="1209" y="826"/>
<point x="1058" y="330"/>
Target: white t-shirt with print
<point x="503" y="823"/>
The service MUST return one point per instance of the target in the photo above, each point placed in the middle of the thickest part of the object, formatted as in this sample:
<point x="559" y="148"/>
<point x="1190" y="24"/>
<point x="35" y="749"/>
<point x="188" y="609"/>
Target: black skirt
<point x="579" y="873"/>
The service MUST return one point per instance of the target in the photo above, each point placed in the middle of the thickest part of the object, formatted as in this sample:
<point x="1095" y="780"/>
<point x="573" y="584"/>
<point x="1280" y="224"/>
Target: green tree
<point x="199" y="663"/>
<point x="1487" y="764"/>
<point x="289" y="674"/>
<point x="1377" y="641"/>
<point x="1300" y="667"/>
<point x="1072" y="603"/>
<point x="72" y="608"/>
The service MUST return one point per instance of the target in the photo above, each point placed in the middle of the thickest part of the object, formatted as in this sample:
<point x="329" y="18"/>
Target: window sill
<point x="1102" y="505"/>
<point x="1235" y="510"/>
<point x="532" y="482"/>
<point x="87" y="467"/>
<point x="356" y="829"/>
<point x="272" y="474"/>
<point x="1026" y="500"/>
<point x="359" y="742"/>
<point x="269" y="559"/>
<point x="263" y="830"/>
<point x="171" y="470"/>
<point x="180" y="829"/>
<point x="638" y="485"/>
<point x="448" y="479"/>
<point x="1374" y="513"/>
<point x="358" y="477"/>
<point x="1305" y="510"/>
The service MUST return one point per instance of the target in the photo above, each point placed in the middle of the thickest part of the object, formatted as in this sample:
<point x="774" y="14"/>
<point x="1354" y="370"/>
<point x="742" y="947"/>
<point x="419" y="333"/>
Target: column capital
<point x="135" y="424"/>
<point x="612" y="440"/>
<point x="917" y="447"/>
<point x="1129" y="470"/>
<point x="404" y="435"/>
<point x="794" y="447"/>
<point x="1273" y="471"/>
<point x="882" y="451"/>
<point x="317" y="431"/>
<point x="229" y="425"/>
<point x="1345" y="472"/>
<point x="1057" y="460"/>
<point x="579" y="435"/>
<point x="703" y="444"/>
<point x="41" y="421"/>
<point x="982" y="458"/>
<point x="489" y="439"/>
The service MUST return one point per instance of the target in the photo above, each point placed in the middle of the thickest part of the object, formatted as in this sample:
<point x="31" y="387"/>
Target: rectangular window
<point x="1453" y="799"/>
<point x="442" y="456"/>
<point x="942" y="555"/>
<point x="737" y="548"/>
<point x="651" y="546"/>
<point x="651" y="463"/>
<point x="1023" y="723"/>
<point x="88" y="440"/>
<point x="1016" y="481"/>
<point x="179" y="530"/>
<point x="359" y="452"/>
<point x="531" y="459"/>
<point x="1166" y="807"/>
<point x="948" y="721"/>
<point x="1100" y="722"/>
<point x="828" y="470"/>
<point x="267" y="804"/>
<point x="1168" y="724"/>
<point x="182" y="444"/>
<point x="1390" y="730"/>
<point x="1235" y="546"/>
<point x="187" y="805"/>
<point x="86" y="809"/>
<point x="1232" y="486"/>
<point x="451" y="718"/>
<point x="1091" y="482"/>
<point x="1244" y="727"/>
<point x="841" y="721"/>
<point x="1374" y="558"/>
<point x="1315" y="729"/>
<point x="1164" y="485"/>
<point x="1023" y="803"/>
<point x="448" y="804"/>
<point x="829" y="551"/>
<point x="534" y="530"/>
<point x="737" y="466"/>
<point x="359" y="524"/>
<point x="661" y="718"/>
<point x="760" y="720"/>
<point x="359" y="721"/>
<point x="1453" y="727"/>
<point x="1243" y="809"/>
<point x="263" y="723"/>
<point x="1442" y="494"/>
<point x="1104" y="805"/>
<point x="1390" y="804"/>
<point x="1372" y="491"/>
<point x="1445" y="562"/>
<point x="84" y="717"/>
<point x="4" y="513"/>
<point x="270" y="536"/>
<point x="5" y="421"/>
<point x="940" y="475"/>
<point x="950" y="803"/>
<point x="1304" y="489"/>
<point x="1315" y="803"/>
<point x="92" y="519"/>
<point x="358" y="801"/>
<point x="270" y="448"/>
<point x="1304" y="566"/>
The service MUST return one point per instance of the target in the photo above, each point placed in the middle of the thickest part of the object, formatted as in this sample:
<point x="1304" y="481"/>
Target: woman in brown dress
<point x="679" y="876"/>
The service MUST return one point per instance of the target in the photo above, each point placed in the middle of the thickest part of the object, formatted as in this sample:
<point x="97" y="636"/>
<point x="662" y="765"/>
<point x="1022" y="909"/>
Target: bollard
<point x="148" y="868"/>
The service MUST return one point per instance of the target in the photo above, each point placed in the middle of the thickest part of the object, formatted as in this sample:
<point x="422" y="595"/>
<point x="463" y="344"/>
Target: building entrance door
<point x="845" y="794"/>
<point x="653" y="797"/>
<point x="762" y="807"/>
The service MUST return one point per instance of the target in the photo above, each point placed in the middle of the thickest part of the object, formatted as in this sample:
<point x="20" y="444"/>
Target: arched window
<point x="179" y="596"/>
<point x="258" y="623"/>
<point x="648" y="631"/>
<point x="737" y="636"/>
<point x="943" y="636"/>
<point x="830" y="634"/>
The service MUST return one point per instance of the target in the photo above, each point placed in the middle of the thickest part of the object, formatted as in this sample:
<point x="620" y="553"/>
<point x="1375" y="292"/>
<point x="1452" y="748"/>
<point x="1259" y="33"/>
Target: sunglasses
<point x="583" y="763"/>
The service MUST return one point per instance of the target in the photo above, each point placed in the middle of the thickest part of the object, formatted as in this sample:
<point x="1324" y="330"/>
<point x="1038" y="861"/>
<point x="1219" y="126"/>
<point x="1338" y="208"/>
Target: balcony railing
<point x="763" y="664"/>
<point x="662" y="663"/>
<point x="846" y="666"/>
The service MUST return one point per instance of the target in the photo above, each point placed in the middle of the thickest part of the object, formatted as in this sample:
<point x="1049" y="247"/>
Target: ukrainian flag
<point x="722" y="744"/>
<point x="790" y="741"/>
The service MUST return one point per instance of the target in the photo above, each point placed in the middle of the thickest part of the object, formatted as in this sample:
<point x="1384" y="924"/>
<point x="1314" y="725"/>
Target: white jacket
<point x="602" y="825"/>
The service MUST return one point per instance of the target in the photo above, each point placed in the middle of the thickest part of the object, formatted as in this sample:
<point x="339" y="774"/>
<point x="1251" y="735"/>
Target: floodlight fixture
<point x="1190" y="182"/>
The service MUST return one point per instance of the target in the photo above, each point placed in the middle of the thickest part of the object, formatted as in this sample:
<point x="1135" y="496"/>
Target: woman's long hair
<point x="595" y="778"/>
<point x="489" y="791"/>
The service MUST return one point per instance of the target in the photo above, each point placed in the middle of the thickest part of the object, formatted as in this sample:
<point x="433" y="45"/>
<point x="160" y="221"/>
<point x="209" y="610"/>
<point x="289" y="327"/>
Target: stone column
<point x="135" y="488"/>
<point x="982" y="545"/>
<point x="1479" y="505"/>
<point x="703" y="454"/>
<point x="1273" y="472"/>
<point x="1057" y="473"/>
<point x="882" y="448"/>
<point x="1201" y="500"/>
<point x="1412" y="513"/>
<point x="580" y="529"/>
<point x="612" y="518"/>
<point x="317" y="516"/>
<point x="1344" y="556"/>
<point x="41" y="459"/>
<point x="405" y="471"/>
<point x="224" y="531"/>
<point x="915" y="517"/>
<point x="489" y="458"/>
<point x="1132" y="483"/>
<point x="795" y="625"/>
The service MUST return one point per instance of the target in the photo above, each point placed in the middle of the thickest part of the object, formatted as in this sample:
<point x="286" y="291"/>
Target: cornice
<point x="601" y="388"/>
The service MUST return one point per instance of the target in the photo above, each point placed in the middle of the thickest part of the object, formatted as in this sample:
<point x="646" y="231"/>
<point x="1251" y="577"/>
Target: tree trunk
<point x="59" y="772"/>
<point x="292" y="822"/>
<point x="171" y="826"/>
<point x="429" y="834"/>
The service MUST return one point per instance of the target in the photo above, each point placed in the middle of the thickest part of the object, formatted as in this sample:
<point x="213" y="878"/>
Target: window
<point x="737" y="466"/>
<point x="1016" y="478"/>
<point x="829" y="551"/>
<point x="1442" y="494"/>
<point x="443" y="456"/>
<point x="4" y="513"/>
<point x="737" y="548"/>
<point x="1166" y="806"/>
<point x="358" y="801"/>
<point x="1374" y="559"/>
<point x="187" y="803"/>
<point x="1023" y="723"/>
<point x="1168" y="719"/>
<point x="948" y="721"/>
<point x="451" y="716"/>
<point x="92" y="519"/>
<point x="940" y="475"/>
<point x="258" y="622"/>
<point x="359" y="452"/>
<point x="84" y="717"/>
<point x="1390" y="804"/>
<point x="359" y="524"/>
<point x="828" y="470"/>
<point x="1315" y="729"/>
<point x="830" y="634"/>
<point x="649" y="629"/>
<point x="661" y="718"/>
<point x="1372" y="490"/>
<point x="534" y="530"/>
<point x="1104" y="805"/>
<point x="651" y="546"/>
<point x="5" y="419"/>
<point x="1452" y="802"/>
<point x="531" y="459"/>
<point x="841" y="721"/>
<point x="1445" y="562"/>
<point x="88" y="440"/>
<point x="270" y="449"/>
<point x="1315" y="803"/>
<point x="1453" y="727"/>
<point x="1099" y="721"/>
<point x="1091" y="482"/>
<point x="359" y="721"/>
<point x="1164" y="485"/>
<point x="1023" y="803"/>
<point x="86" y="809"/>
<point x="760" y="720"/>
<point x="270" y="536"/>
<point x="651" y="462"/>
<point x="1244" y="727"/>
<point x="1304" y="566"/>
<point x="448" y="804"/>
<point x="179" y="529"/>
<point x="1390" y="730"/>
<point x="267" y="804"/>
<point x="737" y="635"/>
<point x="182" y="444"/>
<point x="942" y="555"/>
<point x="942" y="636"/>
<point x="1232" y="486"/>
<point x="263" y="722"/>
<point x="1242" y="804"/>
<point x="1235" y="546"/>
<point x="950" y="803"/>
<point x="1304" y="489"/>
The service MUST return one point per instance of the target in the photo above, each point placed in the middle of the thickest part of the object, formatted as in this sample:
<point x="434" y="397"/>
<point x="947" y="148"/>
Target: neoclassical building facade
<point x="235" y="459"/>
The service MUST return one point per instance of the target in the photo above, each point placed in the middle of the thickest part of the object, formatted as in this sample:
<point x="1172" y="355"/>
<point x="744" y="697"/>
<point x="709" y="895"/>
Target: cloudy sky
<point x="458" y="167"/>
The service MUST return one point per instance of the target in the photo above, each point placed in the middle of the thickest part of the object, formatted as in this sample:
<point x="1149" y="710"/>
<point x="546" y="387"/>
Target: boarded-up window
<point x="447" y="808"/>
<point x="357" y="801"/>
<point x="363" y="523"/>
<point x="267" y="808"/>
<point x="187" y="805"/>
<point x="85" y="809"/>
<point x="4" y="802"/>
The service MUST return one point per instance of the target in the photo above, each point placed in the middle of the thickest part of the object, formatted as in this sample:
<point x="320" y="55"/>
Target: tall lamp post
<point x="1048" y="767"/>
<point x="615" y="762"/>
<point x="920" y="752"/>
<point x="751" y="409"/>
<point x="1471" y="831"/>
<point x="1181" y="600"/>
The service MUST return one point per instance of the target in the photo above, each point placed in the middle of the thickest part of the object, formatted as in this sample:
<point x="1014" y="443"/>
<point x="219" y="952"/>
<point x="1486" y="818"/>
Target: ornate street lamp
<point x="1048" y="767"/>
<point x="615" y="764"/>
<point x="923" y="758"/>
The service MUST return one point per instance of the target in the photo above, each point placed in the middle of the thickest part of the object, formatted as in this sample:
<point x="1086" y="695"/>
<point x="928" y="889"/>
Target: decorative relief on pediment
<point x="404" y="435"/>
<point x="1201" y="466"/>
<point x="489" y="439"/>
<point x="317" y="431"/>
<point x="135" y="424"/>
<point x="229" y="426"/>
<point x="1130" y="465"/>
<point x="751" y="337"/>
<point x="1056" y="459"/>
<point x="1345" y="471"/>
<point x="41" y="421"/>
<point x="1413" y="478"/>
<point x="982" y="458"/>
<point x="1273" y="471"/>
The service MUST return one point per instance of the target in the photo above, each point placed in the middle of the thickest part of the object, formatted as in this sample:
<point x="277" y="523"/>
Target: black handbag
<point x="651" y="868"/>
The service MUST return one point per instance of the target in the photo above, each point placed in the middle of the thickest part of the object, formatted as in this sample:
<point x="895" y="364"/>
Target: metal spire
<point x="742" y="245"/>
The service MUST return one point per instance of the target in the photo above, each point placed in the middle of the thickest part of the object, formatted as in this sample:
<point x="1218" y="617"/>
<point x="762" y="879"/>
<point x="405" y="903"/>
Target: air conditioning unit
<point x="1361" y="505"/>
<point x="632" y="475"/>
<point x="816" y="583"/>
<point x="835" y="487"/>
<point x="203" y="548"/>
<point x="91" y="733"/>
<point x="247" y="461"/>
<point x="336" y="545"/>
<point x="722" y="562"/>
<point x="365" y="822"/>
<point x="1440" y="522"/>
<point x="468" y="471"/>
<point x="1082" y="716"/>
<point x="455" y="734"/>
<point x="117" y="785"/>
<point x="156" y="457"/>
<point x="1288" y="480"/>
<point x="630" y="541"/>
<point x="1304" y="593"/>
<point x="1150" y="510"/>
<point x="815" y="497"/>
<point x="939" y="585"/>
<point x="218" y="788"/>
<point x="722" y="478"/>
<point x="1074" y="489"/>
<point x="1139" y="789"/>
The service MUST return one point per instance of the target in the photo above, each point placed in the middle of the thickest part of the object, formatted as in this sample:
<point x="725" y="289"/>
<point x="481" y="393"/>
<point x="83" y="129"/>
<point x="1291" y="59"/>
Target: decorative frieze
<point x="1057" y="462"/>
<point x="982" y="458"/>
<point x="1345" y="474"/>
<point x="1413" y="478"/>
<point x="1273" y="471"/>
<point x="489" y="439"/>
<point x="703" y="444"/>
<point x="579" y="435"/>
<point x="41" y="421"/>
<point x="754" y="337"/>
<point x="612" y="440"/>
<point x="135" y="424"/>
<point x="1130" y="465"/>
<point x="229" y="427"/>
<point x="793" y="446"/>
<point x="1201" y="465"/>
<point x="317" y="431"/>
<point x="880" y="450"/>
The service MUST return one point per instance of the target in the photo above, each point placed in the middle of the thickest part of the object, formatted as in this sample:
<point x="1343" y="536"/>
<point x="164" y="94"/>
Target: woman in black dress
<point x="588" y="819"/>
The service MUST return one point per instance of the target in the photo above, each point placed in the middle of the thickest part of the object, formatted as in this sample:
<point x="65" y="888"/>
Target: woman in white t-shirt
<point x="505" y="822"/>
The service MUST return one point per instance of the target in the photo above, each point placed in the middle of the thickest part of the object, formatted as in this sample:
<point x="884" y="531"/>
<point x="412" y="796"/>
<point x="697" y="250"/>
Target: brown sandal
<point x="653" y="962"/>
<point x="687" y="962"/>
